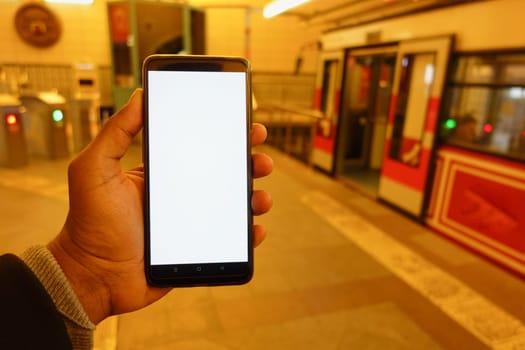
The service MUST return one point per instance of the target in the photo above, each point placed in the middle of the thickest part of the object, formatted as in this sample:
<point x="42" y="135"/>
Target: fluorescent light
<point x="76" y="2"/>
<point x="279" y="6"/>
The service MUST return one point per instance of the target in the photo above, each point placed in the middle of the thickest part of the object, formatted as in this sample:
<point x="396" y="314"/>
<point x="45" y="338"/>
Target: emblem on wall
<point x="37" y="25"/>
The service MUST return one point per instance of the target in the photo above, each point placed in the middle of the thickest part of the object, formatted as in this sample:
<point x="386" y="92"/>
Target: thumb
<point x="117" y="134"/>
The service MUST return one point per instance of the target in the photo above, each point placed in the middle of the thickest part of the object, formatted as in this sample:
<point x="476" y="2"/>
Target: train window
<point x="490" y="69"/>
<point x="485" y="104"/>
<point x="328" y="87"/>
<point x="411" y="108"/>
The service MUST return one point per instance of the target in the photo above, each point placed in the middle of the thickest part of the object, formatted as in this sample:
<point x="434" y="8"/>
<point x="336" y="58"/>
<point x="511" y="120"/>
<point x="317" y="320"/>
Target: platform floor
<point x="337" y="271"/>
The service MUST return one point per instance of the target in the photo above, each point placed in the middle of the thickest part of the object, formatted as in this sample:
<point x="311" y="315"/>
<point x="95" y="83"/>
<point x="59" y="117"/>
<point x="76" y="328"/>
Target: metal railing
<point x="290" y="128"/>
<point x="284" y="106"/>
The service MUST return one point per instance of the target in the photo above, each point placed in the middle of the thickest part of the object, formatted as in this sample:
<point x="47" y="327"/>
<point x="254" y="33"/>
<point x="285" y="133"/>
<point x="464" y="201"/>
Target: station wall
<point x="272" y="45"/>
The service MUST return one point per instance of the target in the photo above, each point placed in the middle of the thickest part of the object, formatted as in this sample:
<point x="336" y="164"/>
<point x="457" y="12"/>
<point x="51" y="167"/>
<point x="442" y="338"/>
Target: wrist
<point x="89" y="289"/>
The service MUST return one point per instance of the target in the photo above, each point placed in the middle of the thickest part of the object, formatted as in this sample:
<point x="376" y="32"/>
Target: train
<point x="426" y="112"/>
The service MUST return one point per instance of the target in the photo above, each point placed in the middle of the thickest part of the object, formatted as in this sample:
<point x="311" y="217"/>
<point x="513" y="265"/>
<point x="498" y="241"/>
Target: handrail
<point x="285" y="140"/>
<point x="311" y="113"/>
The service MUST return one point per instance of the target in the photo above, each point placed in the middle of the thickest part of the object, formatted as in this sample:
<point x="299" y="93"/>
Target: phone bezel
<point x="206" y="273"/>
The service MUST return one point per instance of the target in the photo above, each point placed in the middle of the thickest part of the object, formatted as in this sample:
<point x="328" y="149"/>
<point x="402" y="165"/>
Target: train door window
<point x="381" y="110"/>
<point x="415" y="86"/>
<point x="485" y="104"/>
<point x="328" y="87"/>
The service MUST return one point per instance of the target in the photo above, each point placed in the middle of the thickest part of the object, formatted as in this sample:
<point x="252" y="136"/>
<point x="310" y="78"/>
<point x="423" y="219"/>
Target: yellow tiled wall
<point x="278" y="42"/>
<point x="84" y="36"/>
<point x="273" y="45"/>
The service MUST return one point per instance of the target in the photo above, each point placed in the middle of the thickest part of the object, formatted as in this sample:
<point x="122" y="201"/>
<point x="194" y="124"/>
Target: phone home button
<point x="198" y="269"/>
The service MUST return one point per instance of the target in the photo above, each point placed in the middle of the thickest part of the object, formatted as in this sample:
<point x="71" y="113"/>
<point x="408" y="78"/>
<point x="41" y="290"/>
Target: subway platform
<point x="338" y="270"/>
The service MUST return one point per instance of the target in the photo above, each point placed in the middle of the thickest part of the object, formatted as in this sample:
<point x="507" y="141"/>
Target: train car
<point x="426" y="112"/>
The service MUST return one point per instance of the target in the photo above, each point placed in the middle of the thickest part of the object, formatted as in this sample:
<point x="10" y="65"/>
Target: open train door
<point x="410" y="139"/>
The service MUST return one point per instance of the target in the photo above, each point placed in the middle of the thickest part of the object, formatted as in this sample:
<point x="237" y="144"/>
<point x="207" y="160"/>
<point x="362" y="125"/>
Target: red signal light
<point x="487" y="128"/>
<point x="11" y="119"/>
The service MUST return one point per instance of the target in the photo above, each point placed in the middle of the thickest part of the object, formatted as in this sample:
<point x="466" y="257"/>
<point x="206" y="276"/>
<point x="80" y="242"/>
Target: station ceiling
<point x="345" y="13"/>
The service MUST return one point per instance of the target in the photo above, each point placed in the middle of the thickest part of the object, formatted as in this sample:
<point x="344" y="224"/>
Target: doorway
<point x="368" y="80"/>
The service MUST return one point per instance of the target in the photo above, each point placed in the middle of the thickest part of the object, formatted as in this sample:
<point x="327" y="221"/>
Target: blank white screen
<point x="198" y="174"/>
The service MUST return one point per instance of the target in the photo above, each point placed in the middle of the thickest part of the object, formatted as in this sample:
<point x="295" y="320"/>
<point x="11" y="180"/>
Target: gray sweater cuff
<point x="43" y="264"/>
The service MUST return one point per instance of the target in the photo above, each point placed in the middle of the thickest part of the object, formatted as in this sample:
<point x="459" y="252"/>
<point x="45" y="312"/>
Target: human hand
<point x="101" y="246"/>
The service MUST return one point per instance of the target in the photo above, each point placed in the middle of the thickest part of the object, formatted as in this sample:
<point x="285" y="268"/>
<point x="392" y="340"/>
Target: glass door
<point x="364" y="114"/>
<point x="410" y="139"/>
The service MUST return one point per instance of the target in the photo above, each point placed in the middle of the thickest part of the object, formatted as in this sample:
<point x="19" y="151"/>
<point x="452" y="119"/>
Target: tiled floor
<point x="337" y="271"/>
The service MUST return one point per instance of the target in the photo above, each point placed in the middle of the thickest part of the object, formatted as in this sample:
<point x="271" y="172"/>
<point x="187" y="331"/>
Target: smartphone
<point x="197" y="170"/>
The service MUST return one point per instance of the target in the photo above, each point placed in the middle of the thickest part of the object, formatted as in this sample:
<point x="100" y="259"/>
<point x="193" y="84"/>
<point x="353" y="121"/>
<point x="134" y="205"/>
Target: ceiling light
<point x="75" y="2"/>
<point x="279" y="6"/>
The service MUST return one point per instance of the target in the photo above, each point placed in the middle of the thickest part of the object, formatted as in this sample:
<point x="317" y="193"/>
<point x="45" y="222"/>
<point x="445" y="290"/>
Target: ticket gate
<point x="84" y="105"/>
<point x="84" y="121"/>
<point x="45" y="124"/>
<point x="13" y="146"/>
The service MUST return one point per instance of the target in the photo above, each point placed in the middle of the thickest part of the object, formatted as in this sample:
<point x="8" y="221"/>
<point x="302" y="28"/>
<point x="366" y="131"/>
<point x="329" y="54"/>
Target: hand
<point x="101" y="246"/>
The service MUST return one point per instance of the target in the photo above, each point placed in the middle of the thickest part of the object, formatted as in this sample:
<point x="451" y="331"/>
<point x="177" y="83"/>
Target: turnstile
<point x="84" y="105"/>
<point x="13" y="146"/>
<point x="45" y="124"/>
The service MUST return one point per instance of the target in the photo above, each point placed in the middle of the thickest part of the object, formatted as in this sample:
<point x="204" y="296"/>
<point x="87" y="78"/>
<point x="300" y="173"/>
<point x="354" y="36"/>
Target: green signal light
<point x="450" y="123"/>
<point x="57" y="115"/>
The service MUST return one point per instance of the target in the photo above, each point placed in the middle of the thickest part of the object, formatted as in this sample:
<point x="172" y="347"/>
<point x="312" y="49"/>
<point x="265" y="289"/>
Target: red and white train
<point x="427" y="112"/>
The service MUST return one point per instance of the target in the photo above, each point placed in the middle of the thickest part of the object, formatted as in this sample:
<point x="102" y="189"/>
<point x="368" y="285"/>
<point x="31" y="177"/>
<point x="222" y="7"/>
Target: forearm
<point x="50" y="274"/>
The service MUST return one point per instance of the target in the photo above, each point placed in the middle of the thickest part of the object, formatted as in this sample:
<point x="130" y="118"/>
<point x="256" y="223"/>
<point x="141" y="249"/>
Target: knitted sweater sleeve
<point x="51" y="276"/>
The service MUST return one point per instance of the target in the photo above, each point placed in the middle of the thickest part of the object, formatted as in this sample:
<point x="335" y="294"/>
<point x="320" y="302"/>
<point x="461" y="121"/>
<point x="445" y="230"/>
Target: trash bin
<point x="45" y="124"/>
<point x="84" y="105"/>
<point x="13" y="146"/>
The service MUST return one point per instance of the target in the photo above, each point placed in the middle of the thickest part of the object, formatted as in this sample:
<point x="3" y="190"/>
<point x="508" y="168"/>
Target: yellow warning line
<point x="486" y="321"/>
